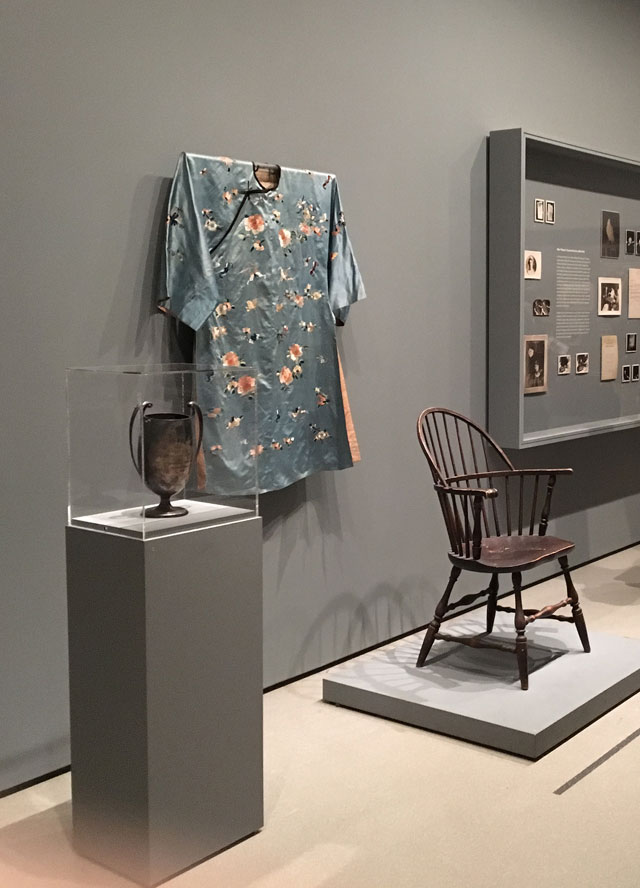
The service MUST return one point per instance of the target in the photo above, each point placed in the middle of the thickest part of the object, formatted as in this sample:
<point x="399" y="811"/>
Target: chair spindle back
<point x="457" y="448"/>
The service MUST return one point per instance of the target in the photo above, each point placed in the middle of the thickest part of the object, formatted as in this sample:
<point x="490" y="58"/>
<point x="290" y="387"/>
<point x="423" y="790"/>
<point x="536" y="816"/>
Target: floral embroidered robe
<point x="263" y="275"/>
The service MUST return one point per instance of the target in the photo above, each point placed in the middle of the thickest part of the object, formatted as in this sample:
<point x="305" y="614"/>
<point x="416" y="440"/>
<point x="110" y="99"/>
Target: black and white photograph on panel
<point x="564" y="365"/>
<point x="538" y="214"/>
<point x="630" y="242"/>
<point x="541" y="308"/>
<point x="637" y="243"/>
<point x="609" y="296"/>
<point x="635" y="372"/>
<point x="532" y="265"/>
<point x="535" y="364"/>
<point x="626" y="372"/>
<point x="610" y="235"/>
<point x="632" y="342"/>
<point x="582" y="363"/>
<point x="550" y="212"/>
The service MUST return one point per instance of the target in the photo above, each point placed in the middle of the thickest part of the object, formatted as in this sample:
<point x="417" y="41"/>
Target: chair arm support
<point x="477" y="495"/>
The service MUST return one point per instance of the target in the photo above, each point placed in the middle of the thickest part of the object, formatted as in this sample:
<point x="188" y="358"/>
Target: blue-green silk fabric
<point x="263" y="276"/>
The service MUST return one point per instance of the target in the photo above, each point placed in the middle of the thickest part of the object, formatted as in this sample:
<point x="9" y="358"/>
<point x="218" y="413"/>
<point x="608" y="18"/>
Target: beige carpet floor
<point x="353" y="801"/>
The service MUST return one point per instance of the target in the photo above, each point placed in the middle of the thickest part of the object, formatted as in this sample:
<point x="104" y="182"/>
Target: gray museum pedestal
<point x="165" y="661"/>
<point x="475" y="694"/>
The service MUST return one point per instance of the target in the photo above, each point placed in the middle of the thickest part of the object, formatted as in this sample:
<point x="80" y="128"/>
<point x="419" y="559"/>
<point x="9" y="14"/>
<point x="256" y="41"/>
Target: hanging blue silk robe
<point x="263" y="275"/>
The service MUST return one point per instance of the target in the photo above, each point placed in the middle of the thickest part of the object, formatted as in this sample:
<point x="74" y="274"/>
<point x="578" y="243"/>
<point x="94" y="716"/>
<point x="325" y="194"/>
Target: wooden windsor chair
<point x="491" y="510"/>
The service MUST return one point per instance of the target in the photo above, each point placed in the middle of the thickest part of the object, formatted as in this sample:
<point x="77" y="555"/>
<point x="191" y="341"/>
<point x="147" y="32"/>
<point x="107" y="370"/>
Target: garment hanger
<point x="267" y="174"/>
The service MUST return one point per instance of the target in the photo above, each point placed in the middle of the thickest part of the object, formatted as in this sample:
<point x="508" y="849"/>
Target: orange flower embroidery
<point x="299" y="300"/>
<point x="285" y="376"/>
<point x="216" y="411"/>
<point x="285" y="237"/>
<point x="304" y="228"/>
<point x="333" y="256"/>
<point x="246" y="385"/>
<point x="295" y="352"/>
<point x="231" y="360"/>
<point x="222" y="309"/>
<point x="254" y="223"/>
<point x="256" y="451"/>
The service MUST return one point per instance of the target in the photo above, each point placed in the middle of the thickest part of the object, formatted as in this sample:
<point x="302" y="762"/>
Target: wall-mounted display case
<point x="161" y="449"/>
<point x="564" y="291"/>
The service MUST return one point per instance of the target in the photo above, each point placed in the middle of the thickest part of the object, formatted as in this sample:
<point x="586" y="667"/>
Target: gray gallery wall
<point x="396" y="98"/>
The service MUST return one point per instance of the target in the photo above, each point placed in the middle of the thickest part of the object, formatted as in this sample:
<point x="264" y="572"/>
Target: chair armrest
<point x="521" y="474"/>
<point x="484" y="492"/>
<point x="506" y="473"/>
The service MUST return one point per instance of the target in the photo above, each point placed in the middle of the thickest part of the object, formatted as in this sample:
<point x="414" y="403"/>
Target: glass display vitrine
<point x="161" y="449"/>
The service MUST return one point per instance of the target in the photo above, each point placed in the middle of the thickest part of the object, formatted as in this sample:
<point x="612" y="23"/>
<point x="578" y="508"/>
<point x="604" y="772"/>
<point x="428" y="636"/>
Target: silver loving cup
<point x="168" y="456"/>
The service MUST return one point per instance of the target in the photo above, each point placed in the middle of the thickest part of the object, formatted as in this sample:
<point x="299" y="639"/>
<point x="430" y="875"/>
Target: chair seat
<point x="505" y="554"/>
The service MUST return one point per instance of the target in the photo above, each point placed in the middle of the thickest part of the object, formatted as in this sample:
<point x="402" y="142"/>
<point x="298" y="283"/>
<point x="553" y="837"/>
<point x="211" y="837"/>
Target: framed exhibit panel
<point x="564" y="290"/>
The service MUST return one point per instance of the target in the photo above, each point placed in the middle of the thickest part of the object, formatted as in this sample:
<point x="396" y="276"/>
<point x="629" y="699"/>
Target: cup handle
<point x="137" y="409"/>
<point x="198" y="412"/>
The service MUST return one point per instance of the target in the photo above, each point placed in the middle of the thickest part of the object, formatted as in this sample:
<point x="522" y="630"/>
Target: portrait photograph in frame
<point x="535" y="363"/>
<point x="582" y="363"/>
<point x="626" y="373"/>
<point x="538" y="214"/>
<point x="635" y="372"/>
<point x="564" y="365"/>
<point x="610" y="235"/>
<point x="630" y="242"/>
<point x="541" y="308"/>
<point x="532" y="265"/>
<point x="609" y="296"/>
<point x="550" y="212"/>
<point x="631" y="342"/>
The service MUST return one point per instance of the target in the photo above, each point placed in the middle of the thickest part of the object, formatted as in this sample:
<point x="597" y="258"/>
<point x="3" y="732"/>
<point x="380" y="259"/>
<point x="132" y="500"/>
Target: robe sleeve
<point x="345" y="283"/>
<point x="191" y="288"/>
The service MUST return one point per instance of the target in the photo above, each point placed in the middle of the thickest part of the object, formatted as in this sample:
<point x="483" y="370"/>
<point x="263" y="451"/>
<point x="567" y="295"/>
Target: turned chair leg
<point x="434" y="625"/>
<point x="576" y="610"/>
<point x="521" y="639"/>
<point x="492" y="603"/>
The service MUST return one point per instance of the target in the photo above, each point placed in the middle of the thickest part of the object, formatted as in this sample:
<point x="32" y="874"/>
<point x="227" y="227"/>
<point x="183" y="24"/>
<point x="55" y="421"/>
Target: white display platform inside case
<point x="131" y="522"/>
<point x="475" y="694"/>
